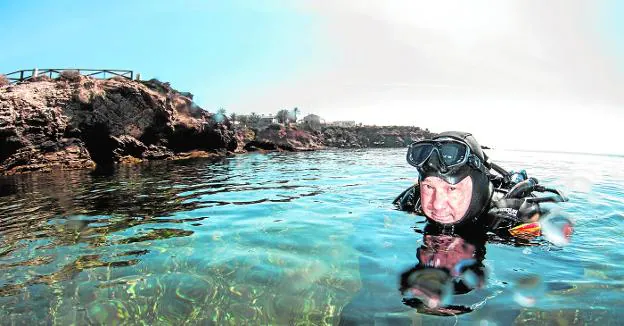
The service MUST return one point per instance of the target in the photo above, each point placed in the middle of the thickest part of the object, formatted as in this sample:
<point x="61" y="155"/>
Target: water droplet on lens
<point x="557" y="229"/>
<point x="527" y="290"/>
<point x="433" y="287"/>
<point x="527" y="251"/>
<point x="525" y="301"/>
<point x="473" y="280"/>
<point x="463" y="264"/>
<point x="216" y="236"/>
<point x="487" y="323"/>
<point x="218" y="117"/>
<point x="581" y="184"/>
<point x="387" y="222"/>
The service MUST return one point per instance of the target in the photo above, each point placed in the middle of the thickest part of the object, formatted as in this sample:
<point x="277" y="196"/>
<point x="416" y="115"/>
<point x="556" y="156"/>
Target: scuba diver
<point x="463" y="196"/>
<point x="447" y="265"/>
<point x="460" y="189"/>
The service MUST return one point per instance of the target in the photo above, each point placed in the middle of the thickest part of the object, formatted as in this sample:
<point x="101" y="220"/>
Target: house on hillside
<point x="266" y="120"/>
<point x="343" y="123"/>
<point x="313" y="120"/>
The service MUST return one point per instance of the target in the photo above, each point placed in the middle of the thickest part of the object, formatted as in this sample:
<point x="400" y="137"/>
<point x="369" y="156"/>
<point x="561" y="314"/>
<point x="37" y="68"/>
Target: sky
<point x="518" y="74"/>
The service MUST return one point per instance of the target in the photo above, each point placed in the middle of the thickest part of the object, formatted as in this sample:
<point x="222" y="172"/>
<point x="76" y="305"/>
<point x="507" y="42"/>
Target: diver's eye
<point x="452" y="188"/>
<point x="427" y="186"/>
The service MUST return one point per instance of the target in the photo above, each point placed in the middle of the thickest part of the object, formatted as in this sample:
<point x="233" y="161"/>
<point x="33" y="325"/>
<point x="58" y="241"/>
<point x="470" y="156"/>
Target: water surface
<point x="287" y="238"/>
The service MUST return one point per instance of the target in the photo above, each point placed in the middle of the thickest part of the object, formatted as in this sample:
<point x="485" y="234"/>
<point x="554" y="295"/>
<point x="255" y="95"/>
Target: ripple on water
<point x="286" y="238"/>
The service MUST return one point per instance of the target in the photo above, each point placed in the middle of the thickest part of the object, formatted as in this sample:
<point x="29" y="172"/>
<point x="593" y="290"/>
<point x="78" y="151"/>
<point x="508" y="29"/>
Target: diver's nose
<point x="439" y="200"/>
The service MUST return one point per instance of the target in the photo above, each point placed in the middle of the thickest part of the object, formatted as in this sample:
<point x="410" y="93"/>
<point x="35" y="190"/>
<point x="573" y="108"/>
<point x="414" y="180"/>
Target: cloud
<point x="506" y="70"/>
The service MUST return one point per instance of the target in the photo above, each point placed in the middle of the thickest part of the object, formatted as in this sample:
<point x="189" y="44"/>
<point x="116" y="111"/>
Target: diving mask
<point x="450" y="153"/>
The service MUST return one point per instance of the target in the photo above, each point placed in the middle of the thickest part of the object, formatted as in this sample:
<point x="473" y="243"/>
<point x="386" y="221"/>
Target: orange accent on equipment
<point x="528" y="229"/>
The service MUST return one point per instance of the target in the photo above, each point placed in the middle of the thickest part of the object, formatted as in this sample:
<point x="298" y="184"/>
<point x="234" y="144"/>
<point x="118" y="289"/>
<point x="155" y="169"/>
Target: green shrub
<point x="157" y="85"/>
<point x="274" y="126"/>
<point x="71" y="75"/>
<point x="42" y="77"/>
<point x="119" y="78"/>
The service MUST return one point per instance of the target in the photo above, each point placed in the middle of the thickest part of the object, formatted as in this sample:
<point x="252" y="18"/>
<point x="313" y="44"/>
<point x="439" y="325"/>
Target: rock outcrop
<point x="81" y="122"/>
<point x="289" y="138"/>
<point x="373" y="136"/>
<point x="281" y="138"/>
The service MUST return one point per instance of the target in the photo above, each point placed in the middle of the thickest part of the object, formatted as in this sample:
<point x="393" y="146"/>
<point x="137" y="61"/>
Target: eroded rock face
<point x="243" y="136"/>
<point x="83" y="122"/>
<point x="68" y="153"/>
<point x="287" y="138"/>
<point x="79" y="123"/>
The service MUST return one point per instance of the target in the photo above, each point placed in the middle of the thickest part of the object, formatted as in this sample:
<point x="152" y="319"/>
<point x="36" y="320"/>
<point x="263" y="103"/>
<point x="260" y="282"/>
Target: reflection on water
<point x="292" y="238"/>
<point x="448" y="264"/>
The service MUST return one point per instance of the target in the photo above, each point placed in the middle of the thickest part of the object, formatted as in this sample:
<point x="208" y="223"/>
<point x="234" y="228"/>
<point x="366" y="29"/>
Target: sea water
<point x="289" y="239"/>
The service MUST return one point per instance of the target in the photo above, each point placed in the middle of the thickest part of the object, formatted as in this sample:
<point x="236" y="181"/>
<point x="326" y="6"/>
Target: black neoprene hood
<point x="433" y="166"/>
<point x="474" y="168"/>
<point x="467" y="138"/>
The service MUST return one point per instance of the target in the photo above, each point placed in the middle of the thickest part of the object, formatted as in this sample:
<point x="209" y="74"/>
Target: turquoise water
<point x="288" y="238"/>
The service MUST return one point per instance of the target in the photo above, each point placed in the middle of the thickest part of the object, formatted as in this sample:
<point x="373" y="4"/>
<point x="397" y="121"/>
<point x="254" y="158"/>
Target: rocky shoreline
<point x="77" y="122"/>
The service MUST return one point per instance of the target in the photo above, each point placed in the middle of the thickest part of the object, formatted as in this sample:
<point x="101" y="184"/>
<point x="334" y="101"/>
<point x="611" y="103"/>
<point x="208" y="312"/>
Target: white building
<point x="343" y="123"/>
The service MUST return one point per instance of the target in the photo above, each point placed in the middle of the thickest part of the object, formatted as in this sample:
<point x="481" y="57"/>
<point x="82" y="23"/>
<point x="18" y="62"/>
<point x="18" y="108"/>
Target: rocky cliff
<point x="79" y="122"/>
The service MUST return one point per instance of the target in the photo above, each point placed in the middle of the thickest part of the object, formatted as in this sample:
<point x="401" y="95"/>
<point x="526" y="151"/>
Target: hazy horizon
<point x="521" y="75"/>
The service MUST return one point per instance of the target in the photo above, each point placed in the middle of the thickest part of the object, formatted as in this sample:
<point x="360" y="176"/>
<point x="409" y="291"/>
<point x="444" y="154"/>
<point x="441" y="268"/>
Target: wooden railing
<point x="26" y="74"/>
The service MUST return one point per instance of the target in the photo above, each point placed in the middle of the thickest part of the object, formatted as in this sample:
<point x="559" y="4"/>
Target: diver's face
<point x="443" y="202"/>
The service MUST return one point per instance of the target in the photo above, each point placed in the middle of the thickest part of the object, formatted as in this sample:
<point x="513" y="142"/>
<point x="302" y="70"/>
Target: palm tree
<point x="233" y="117"/>
<point x="295" y="111"/>
<point x="282" y="116"/>
<point x="220" y="116"/>
<point x="242" y="119"/>
<point x="254" y="118"/>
